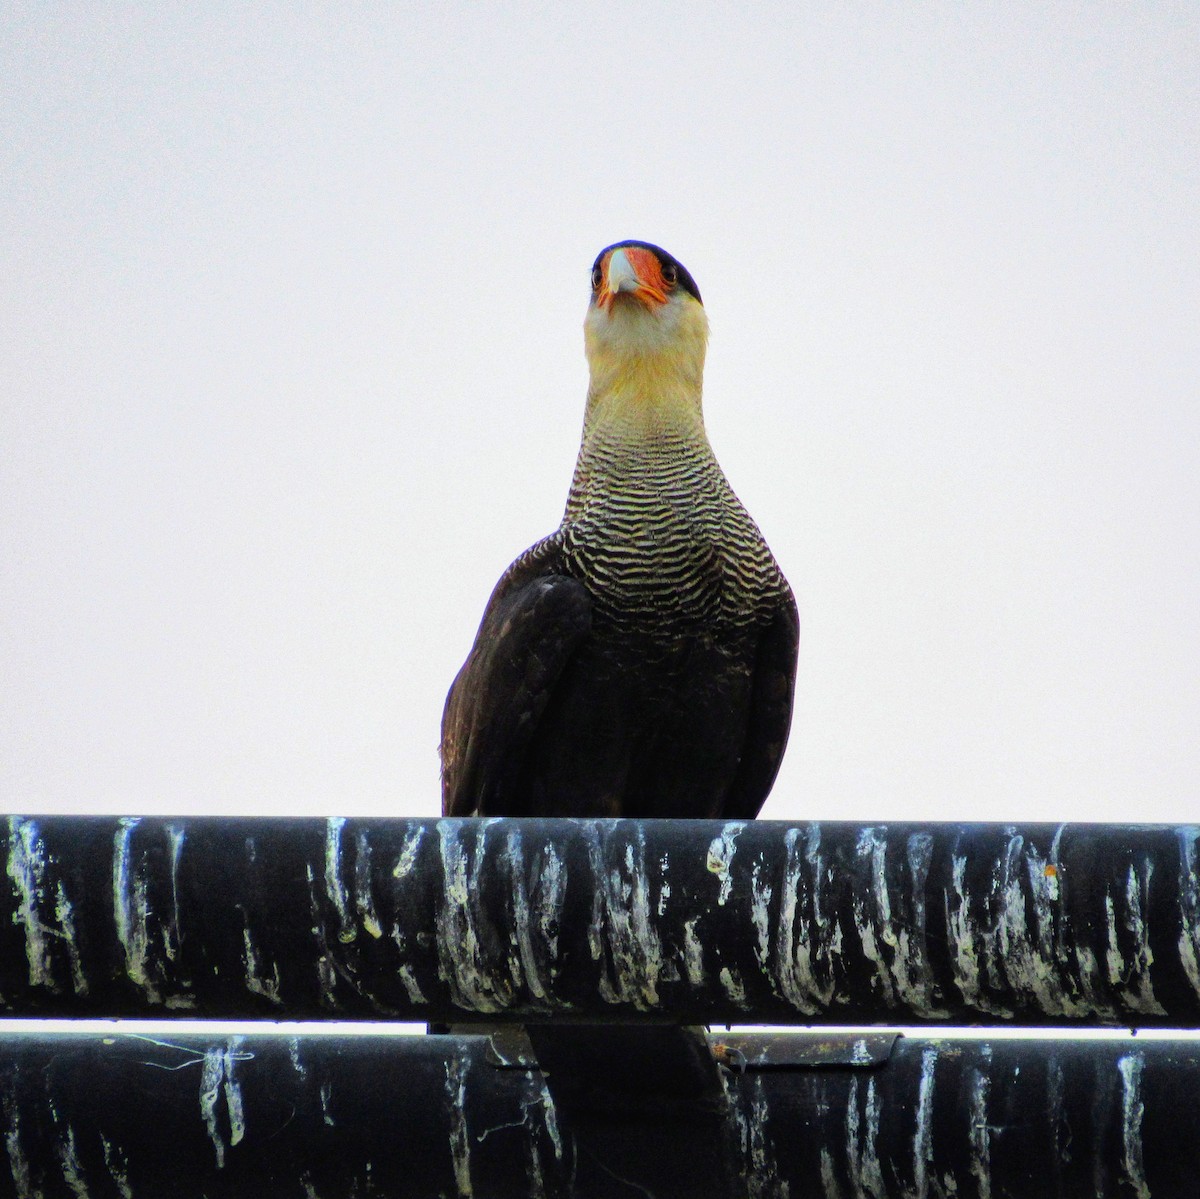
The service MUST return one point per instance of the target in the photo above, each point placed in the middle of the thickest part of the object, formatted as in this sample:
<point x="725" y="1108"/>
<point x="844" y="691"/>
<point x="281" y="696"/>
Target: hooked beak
<point x="635" y="271"/>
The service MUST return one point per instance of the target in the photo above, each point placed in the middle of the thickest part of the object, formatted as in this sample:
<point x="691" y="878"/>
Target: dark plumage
<point x="640" y="660"/>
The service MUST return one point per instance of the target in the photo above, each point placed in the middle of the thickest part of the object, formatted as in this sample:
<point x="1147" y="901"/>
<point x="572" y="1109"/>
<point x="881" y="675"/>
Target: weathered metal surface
<point x="273" y="1117"/>
<point x="600" y="920"/>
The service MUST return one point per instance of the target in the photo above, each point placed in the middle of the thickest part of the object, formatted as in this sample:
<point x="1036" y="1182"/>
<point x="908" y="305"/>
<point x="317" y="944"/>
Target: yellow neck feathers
<point x="647" y="369"/>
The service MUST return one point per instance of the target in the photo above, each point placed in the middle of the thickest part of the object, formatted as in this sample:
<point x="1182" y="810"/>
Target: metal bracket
<point x="509" y="1048"/>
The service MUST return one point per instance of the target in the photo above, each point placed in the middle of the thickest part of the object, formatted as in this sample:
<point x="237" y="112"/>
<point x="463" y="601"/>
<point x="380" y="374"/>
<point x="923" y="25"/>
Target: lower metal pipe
<point x="274" y="1117"/>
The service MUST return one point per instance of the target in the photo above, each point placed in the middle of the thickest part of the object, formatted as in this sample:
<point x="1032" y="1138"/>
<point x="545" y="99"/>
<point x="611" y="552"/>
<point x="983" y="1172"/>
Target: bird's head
<point x="645" y="321"/>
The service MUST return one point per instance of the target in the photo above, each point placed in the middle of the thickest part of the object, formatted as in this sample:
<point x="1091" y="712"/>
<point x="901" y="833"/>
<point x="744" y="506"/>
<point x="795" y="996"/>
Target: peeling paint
<point x="751" y="1113"/>
<point x="18" y="1162"/>
<point x="409" y="981"/>
<point x="1189" y="905"/>
<point x="720" y="857"/>
<point x="463" y="960"/>
<point x="364" y="901"/>
<point x="862" y="1144"/>
<point x="1132" y="1111"/>
<point x="68" y="1160"/>
<point x="217" y="1079"/>
<point x="793" y="956"/>
<point x="66" y="921"/>
<point x="131" y="911"/>
<point x="761" y="893"/>
<point x="210" y="1092"/>
<point x="233" y="1091"/>
<point x="621" y="933"/>
<point x="256" y="981"/>
<point x="335" y="888"/>
<point x="171" y="932"/>
<point x="731" y="984"/>
<point x="293" y="1045"/>
<point x="27" y="870"/>
<point x="407" y="857"/>
<point x="911" y="967"/>
<point x="460" y="1141"/>
<point x="693" y="953"/>
<point x="117" y="1165"/>
<point x="327" y="974"/>
<point x="979" y="1133"/>
<point x="872" y="844"/>
<point x="1028" y="958"/>
<point x="896" y="942"/>
<point x="537" y="911"/>
<point x="923" y="1136"/>
<point x="1138" y="990"/>
<point x="550" y="1115"/>
<point x="829" y="1182"/>
<point x="961" y="924"/>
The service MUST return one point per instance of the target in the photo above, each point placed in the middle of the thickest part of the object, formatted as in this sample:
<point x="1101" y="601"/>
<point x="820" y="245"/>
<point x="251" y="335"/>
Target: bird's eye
<point x="597" y="278"/>
<point x="670" y="274"/>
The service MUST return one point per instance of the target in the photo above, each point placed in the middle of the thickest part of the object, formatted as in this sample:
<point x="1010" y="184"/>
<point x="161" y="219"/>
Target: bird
<point x="639" y="661"/>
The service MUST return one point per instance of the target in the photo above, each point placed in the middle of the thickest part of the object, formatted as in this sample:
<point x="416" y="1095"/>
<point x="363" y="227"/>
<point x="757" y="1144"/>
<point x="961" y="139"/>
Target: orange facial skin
<point x="651" y="288"/>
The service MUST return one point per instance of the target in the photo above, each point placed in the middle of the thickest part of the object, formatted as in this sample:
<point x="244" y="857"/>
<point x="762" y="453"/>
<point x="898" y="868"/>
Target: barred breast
<point x="661" y="541"/>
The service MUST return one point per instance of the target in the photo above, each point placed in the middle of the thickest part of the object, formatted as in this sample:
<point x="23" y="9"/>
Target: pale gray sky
<point x="291" y="302"/>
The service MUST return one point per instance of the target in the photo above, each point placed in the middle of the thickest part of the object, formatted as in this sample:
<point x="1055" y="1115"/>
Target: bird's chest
<point x="657" y="563"/>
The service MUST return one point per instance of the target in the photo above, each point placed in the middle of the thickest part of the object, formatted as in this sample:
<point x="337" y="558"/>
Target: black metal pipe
<point x="698" y="921"/>
<point x="274" y="1117"/>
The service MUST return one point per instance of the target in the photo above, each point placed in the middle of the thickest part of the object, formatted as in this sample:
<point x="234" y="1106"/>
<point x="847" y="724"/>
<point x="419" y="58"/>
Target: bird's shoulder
<point x="535" y="618"/>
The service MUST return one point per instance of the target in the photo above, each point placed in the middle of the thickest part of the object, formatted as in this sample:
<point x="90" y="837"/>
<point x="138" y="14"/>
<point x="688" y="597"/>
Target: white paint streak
<point x="335" y="888"/>
<point x="752" y="1114"/>
<point x="792" y="957"/>
<point x="731" y="983"/>
<point x="117" y="1165"/>
<point x="460" y="1141"/>
<point x="979" y="1133"/>
<point x="218" y="1079"/>
<point x="1189" y="905"/>
<point x="131" y="911"/>
<point x="18" y="1163"/>
<point x="364" y="901"/>
<point x="27" y="870"/>
<point x="72" y="1171"/>
<point x="923" y="1136"/>
<point x="537" y="910"/>
<point x="325" y="1092"/>
<point x="968" y="970"/>
<point x="829" y="1182"/>
<point x="210" y="1091"/>
<point x="409" y="980"/>
<point x="1132" y="1111"/>
<point x="171" y="938"/>
<point x="233" y="1090"/>
<point x="862" y="1151"/>
<point x="256" y="982"/>
<point x="872" y="843"/>
<point x="294" y="1054"/>
<point x="911" y="967"/>
<point x="551" y="892"/>
<point x="1028" y="957"/>
<point x="1138" y="990"/>
<point x="66" y="921"/>
<point x="693" y="953"/>
<point x="407" y="857"/>
<point x="463" y="963"/>
<point x="621" y="931"/>
<point x="761" y="893"/>
<point x="720" y="857"/>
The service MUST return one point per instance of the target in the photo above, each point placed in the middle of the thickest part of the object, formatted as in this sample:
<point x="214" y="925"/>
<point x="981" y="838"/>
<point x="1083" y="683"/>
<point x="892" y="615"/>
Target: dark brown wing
<point x="772" y="694"/>
<point x="533" y="622"/>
